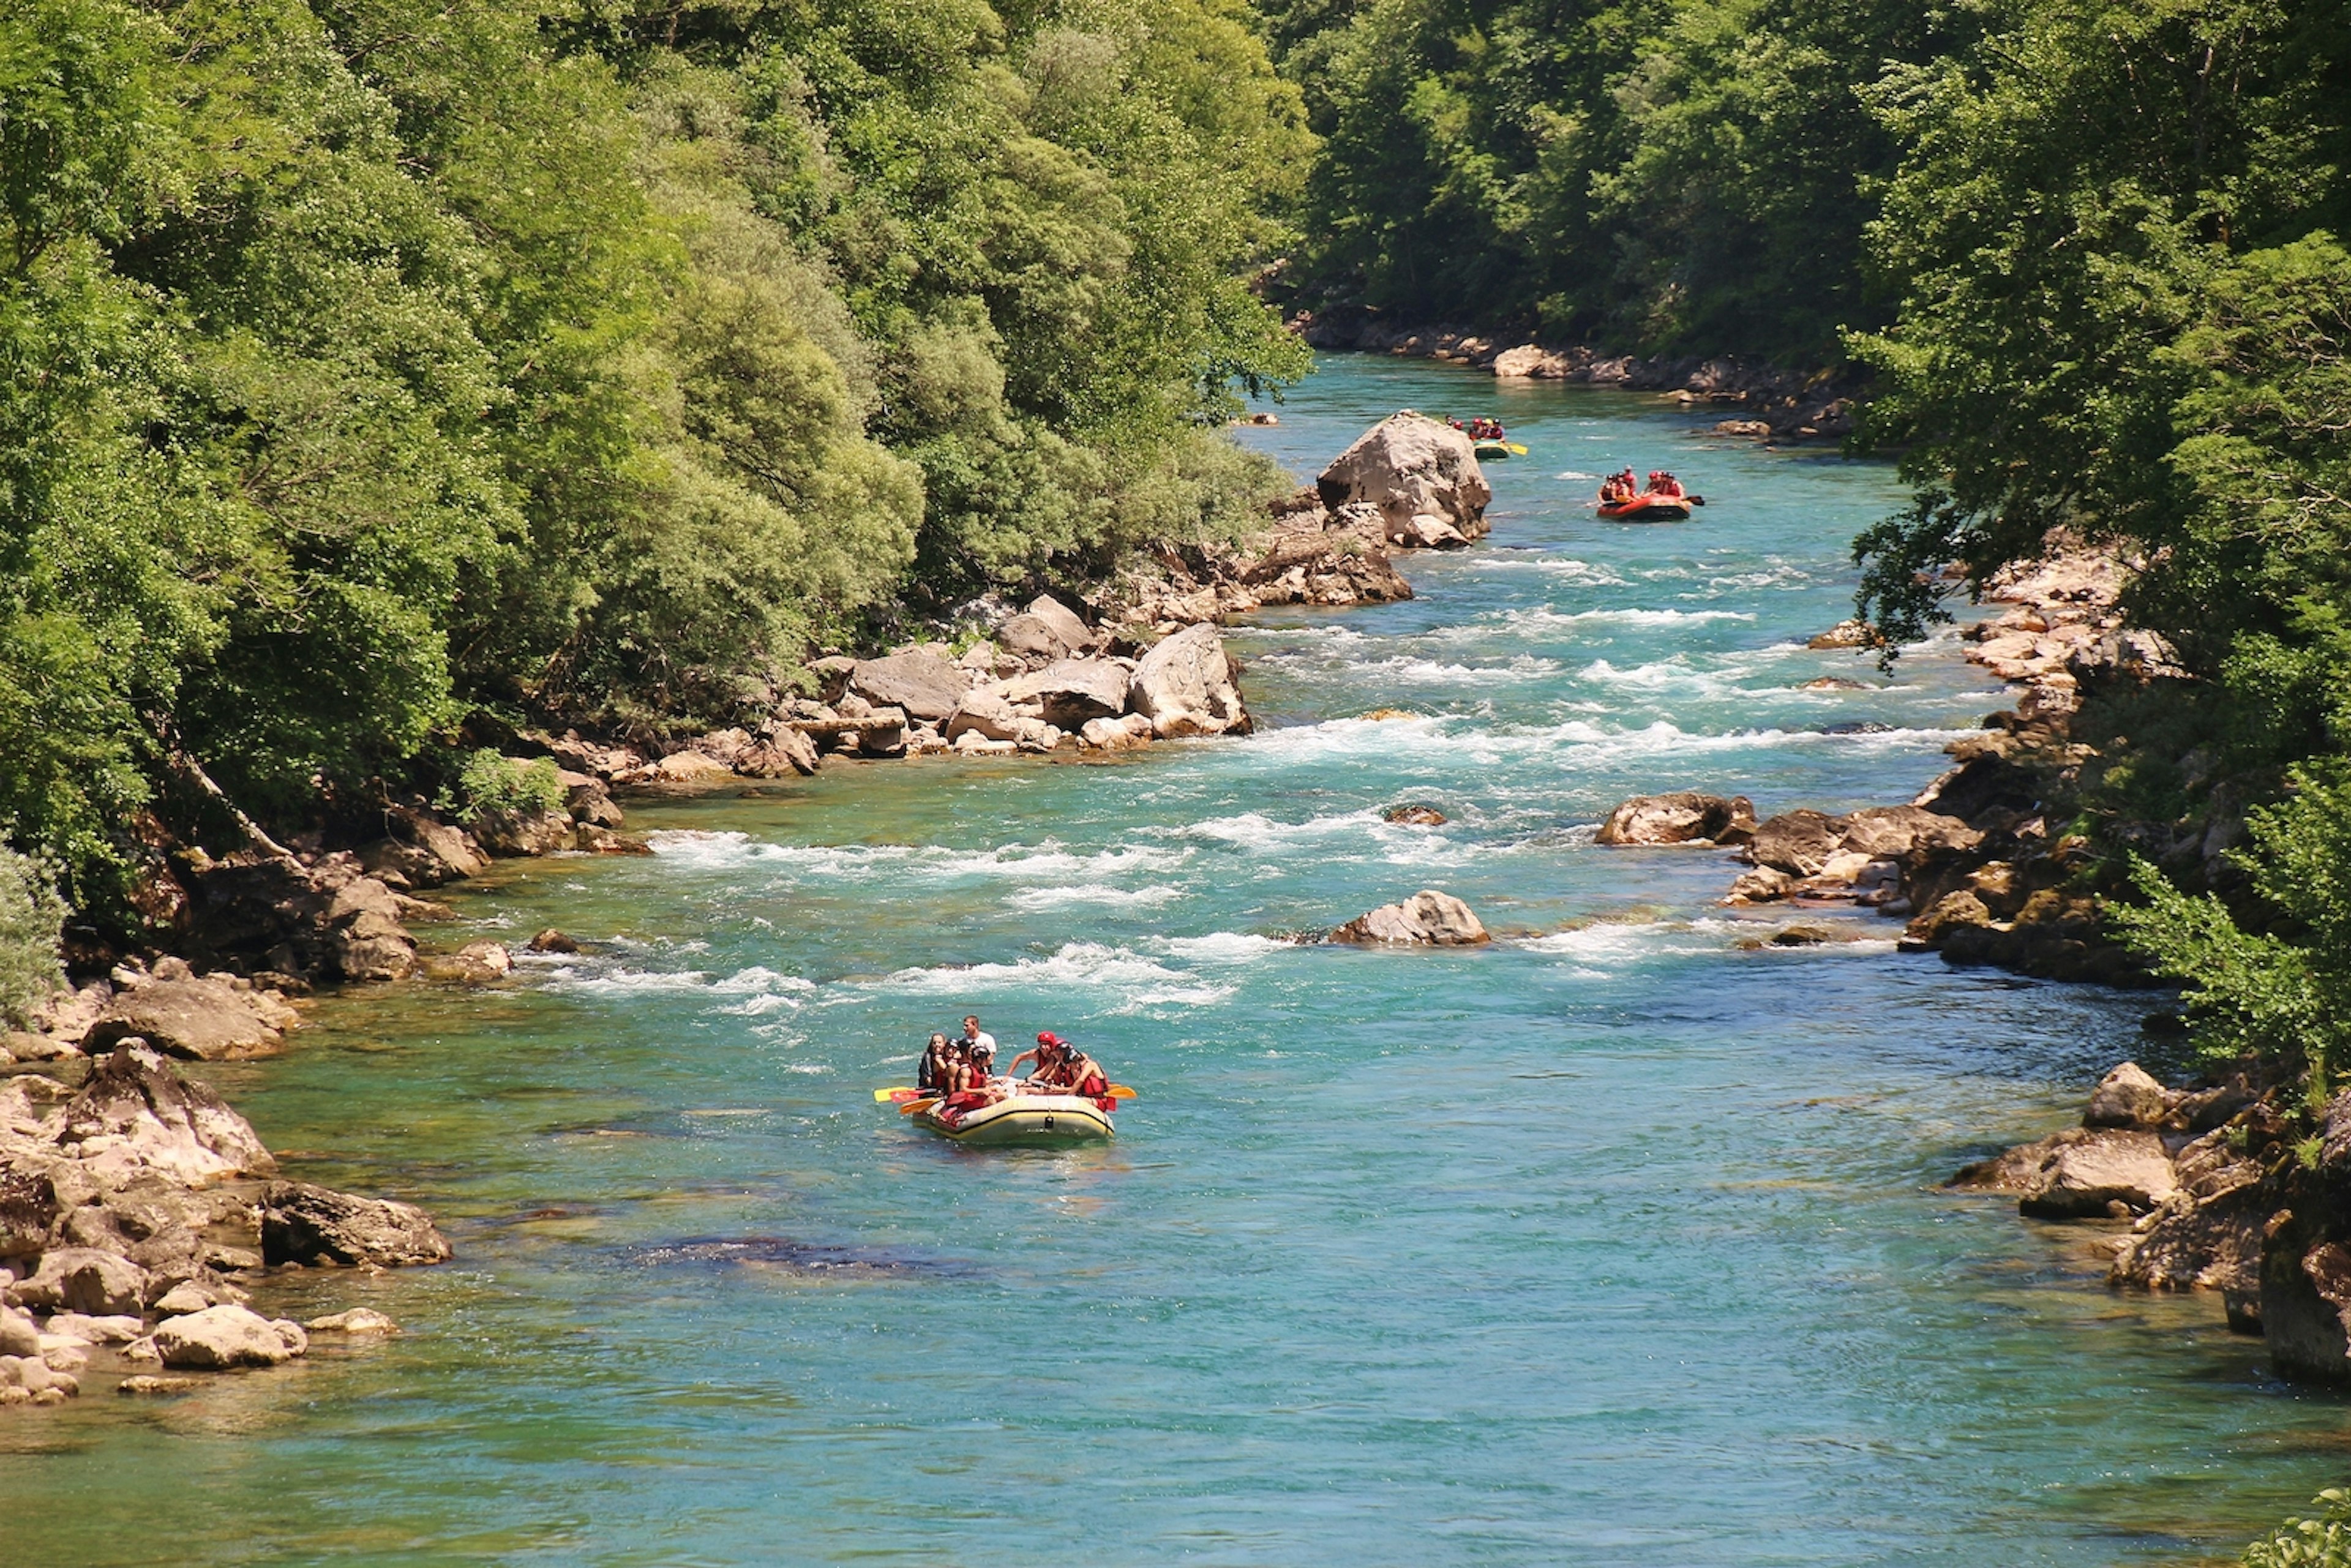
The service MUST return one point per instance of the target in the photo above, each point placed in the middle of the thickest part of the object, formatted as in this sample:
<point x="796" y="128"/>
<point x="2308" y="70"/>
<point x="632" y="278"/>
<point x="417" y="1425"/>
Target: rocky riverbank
<point x="140" y="1216"/>
<point x="1760" y="402"/>
<point x="1982" y="865"/>
<point x="2226" y="1186"/>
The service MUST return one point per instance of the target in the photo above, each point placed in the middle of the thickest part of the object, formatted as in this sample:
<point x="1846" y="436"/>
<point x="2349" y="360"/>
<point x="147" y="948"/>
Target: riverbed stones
<point x="1421" y="473"/>
<point x="226" y="1336"/>
<point x="353" y="1321"/>
<point x="302" y="1223"/>
<point x="1184" y="686"/>
<point x="552" y="941"/>
<point x="1125" y="734"/>
<point x="1683" y="816"/>
<point x="986" y="713"/>
<point x="476" y="963"/>
<point x="1429" y="918"/>
<point x="213" y="1019"/>
<point x="1414" y="814"/>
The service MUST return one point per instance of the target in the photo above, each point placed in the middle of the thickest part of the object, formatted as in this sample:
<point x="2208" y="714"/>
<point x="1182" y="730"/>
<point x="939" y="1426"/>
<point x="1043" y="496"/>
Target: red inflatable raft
<point x="1648" y="506"/>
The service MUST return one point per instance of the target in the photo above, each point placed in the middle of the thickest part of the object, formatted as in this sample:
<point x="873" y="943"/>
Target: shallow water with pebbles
<point x="1615" y="1241"/>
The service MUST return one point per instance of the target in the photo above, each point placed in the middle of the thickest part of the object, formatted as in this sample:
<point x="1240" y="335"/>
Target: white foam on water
<point x="1093" y="893"/>
<point x="759" y="984"/>
<point x="1087" y="966"/>
<point x="1542" y="618"/>
<point x="1574" y="474"/>
<point x="1405" y="670"/>
<point x="733" y="850"/>
<point x="1224" y="946"/>
<point x="1627" y="941"/>
<point x="761" y="979"/>
<point x="1577" y="571"/>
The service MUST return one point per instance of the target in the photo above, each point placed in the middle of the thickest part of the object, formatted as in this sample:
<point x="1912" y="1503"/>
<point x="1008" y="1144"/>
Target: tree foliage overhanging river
<point x="1612" y="1244"/>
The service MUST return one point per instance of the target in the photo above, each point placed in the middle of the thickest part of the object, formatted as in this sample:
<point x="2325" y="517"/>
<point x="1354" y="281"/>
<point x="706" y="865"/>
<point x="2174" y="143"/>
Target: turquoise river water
<point x="1614" y="1242"/>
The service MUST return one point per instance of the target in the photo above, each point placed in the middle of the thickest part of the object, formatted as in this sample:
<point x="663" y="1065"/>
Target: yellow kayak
<point x="1022" y="1119"/>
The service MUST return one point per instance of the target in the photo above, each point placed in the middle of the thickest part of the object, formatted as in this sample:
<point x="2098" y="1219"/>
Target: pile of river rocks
<point x="2217" y="1195"/>
<point x="134" y="1212"/>
<point x="1409" y="483"/>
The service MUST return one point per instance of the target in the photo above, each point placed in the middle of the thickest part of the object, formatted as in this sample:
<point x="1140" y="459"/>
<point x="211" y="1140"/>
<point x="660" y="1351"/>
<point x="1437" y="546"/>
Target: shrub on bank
<point x="32" y="914"/>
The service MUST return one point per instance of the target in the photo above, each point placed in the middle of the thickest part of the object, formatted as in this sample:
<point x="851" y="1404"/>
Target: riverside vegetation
<point x="378" y="369"/>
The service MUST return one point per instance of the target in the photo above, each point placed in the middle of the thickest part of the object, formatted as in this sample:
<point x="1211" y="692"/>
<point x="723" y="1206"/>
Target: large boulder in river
<point x="1421" y="473"/>
<point x="1071" y="691"/>
<point x="316" y="1225"/>
<point x="1681" y="817"/>
<point x="1184" y="686"/>
<point x="212" y="1018"/>
<point x="1427" y="919"/>
<point x="135" y="1111"/>
<point x="228" y="1336"/>
<point x="926" y="686"/>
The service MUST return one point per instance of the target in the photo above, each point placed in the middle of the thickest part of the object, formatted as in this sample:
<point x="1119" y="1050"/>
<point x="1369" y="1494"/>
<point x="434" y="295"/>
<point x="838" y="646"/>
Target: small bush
<point x="489" y="782"/>
<point x="2321" y="1542"/>
<point x="32" y="916"/>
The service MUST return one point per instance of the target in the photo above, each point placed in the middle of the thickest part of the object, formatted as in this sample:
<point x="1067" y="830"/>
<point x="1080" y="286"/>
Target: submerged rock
<point x="1429" y="919"/>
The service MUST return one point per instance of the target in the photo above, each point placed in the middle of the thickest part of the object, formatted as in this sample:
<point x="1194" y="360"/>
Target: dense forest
<point x="371" y="362"/>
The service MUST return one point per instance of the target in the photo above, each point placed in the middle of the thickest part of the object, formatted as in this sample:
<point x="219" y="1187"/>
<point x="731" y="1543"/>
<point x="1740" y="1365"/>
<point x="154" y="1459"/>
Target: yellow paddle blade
<point x="911" y="1106"/>
<point x="1515" y="447"/>
<point x="882" y="1094"/>
<point x="1121" y="1091"/>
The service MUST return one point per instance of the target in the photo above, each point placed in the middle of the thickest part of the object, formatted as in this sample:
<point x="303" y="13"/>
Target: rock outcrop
<point x="1427" y="919"/>
<point x="214" y="1017"/>
<point x="1186" y="684"/>
<point x="1685" y="816"/>
<point x="136" y="1200"/>
<point x="1420" y="474"/>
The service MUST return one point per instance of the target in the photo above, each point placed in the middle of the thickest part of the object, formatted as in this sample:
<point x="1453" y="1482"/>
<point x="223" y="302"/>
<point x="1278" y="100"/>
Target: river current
<point x="1617" y="1241"/>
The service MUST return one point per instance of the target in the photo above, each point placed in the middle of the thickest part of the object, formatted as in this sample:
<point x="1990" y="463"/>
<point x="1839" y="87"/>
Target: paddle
<point x="882" y="1094"/>
<point x="1698" y="500"/>
<point x="1121" y="1091"/>
<point x="911" y="1106"/>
